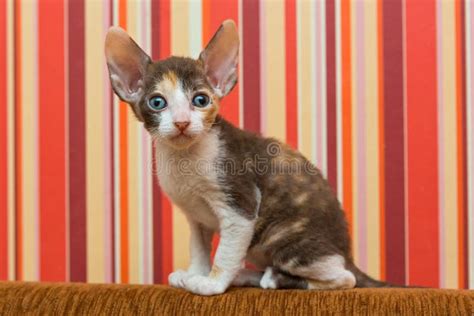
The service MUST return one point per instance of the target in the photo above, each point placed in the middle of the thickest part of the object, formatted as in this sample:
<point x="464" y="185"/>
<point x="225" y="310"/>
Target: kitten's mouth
<point x="181" y="136"/>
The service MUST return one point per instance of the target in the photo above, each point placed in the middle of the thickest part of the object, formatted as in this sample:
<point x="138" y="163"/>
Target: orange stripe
<point x="3" y="145"/>
<point x="381" y="138"/>
<point x="346" y="110"/>
<point x="123" y="119"/>
<point x="18" y="142"/>
<point x="206" y="21"/>
<point x="217" y="12"/>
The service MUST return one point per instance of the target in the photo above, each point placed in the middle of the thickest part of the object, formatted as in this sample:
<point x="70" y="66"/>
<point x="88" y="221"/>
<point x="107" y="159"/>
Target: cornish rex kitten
<point x="269" y="205"/>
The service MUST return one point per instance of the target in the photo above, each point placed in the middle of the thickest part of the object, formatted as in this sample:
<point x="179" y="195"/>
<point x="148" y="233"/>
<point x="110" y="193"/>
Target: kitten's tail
<point x="363" y="280"/>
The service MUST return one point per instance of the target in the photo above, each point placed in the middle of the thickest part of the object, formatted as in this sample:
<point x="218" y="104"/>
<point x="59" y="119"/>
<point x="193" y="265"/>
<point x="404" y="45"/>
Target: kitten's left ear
<point x="127" y="64"/>
<point x="220" y="58"/>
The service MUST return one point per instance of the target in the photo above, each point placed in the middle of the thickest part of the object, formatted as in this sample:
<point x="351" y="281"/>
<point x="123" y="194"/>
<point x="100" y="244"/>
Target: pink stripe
<point x="108" y="171"/>
<point x="441" y="144"/>
<point x="361" y="136"/>
<point x="319" y="73"/>
<point x="263" y="70"/>
<point x="146" y="208"/>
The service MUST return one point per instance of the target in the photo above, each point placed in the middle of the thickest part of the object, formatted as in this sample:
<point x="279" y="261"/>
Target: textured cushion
<point x="80" y="299"/>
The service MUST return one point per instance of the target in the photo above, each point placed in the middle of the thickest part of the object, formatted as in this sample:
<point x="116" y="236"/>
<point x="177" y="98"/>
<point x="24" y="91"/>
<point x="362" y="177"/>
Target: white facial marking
<point x="179" y="109"/>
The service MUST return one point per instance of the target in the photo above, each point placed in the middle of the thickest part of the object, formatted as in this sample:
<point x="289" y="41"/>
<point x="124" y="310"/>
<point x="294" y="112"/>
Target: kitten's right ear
<point x="127" y="64"/>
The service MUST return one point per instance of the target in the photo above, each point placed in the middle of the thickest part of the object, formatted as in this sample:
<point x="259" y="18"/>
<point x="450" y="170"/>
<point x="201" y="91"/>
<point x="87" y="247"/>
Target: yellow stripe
<point x="274" y="59"/>
<point x="134" y="165"/>
<point x="180" y="46"/>
<point x="95" y="182"/>
<point x="305" y="71"/>
<point x="372" y="136"/>
<point x="450" y="149"/>
<point x="29" y="117"/>
<point x="179" y="28"/>
<point x="11" y="142"/>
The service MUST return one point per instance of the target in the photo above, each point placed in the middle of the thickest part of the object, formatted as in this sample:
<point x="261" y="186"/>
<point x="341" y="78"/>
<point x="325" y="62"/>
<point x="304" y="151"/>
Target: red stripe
<point x="251" y="64"/>
<point x="77" y="143"/>
<point x="123" y="154"/>
<point x="461" y="146"/>
<point x="3" y="144"/>
<point x="394" y="153"/>
<point x="162" y="216"/>
<point x="220" y="11"/>
<point x="381" y="135"/>
<point x="422" y="145"/>
<point x="52" y="173"/>
<point x="291" y="74"/>
<point x="331" y="93"/>
<point x="346" y="109"/>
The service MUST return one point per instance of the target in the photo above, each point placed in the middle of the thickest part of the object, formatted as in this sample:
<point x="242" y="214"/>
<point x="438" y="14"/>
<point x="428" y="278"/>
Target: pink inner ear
<point x="127" y="64"/>
<point x="221" y="56"/>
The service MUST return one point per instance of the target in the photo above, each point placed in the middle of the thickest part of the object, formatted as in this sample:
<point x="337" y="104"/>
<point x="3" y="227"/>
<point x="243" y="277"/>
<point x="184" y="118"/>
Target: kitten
<point x="269" y="205"/>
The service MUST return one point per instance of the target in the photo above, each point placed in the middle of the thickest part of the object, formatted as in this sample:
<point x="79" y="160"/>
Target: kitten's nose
<point x="181" y="125"/>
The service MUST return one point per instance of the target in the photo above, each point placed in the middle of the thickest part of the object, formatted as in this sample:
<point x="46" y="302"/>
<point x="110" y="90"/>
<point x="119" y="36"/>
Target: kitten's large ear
<point x="127" y="64"/>
<point x="220" y="58"/>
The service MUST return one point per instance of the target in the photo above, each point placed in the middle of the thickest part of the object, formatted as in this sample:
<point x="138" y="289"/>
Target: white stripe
<point x="337" y="9"/>
<point x="195" y="28"/>
<point x="470" y="136"/>
<point x="11" y="142"/>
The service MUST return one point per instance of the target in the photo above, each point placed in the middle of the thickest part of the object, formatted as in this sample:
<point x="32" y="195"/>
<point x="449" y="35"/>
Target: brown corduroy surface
<point x="82" y="299"/>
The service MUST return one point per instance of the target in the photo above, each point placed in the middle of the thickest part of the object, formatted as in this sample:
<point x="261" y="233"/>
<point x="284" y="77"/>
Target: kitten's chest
<point x="191" y="180"/>
<point x="182" y="181"/>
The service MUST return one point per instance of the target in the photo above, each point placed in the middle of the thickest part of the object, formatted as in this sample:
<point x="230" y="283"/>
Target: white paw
<point x="177" y="278"/>
<point x="268" y="281"/>
<point x="204" y="285"/>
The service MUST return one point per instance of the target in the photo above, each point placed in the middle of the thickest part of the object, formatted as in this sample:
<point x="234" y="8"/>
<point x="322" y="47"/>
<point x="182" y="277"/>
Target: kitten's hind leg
<point x="247" y="277"/>
<point x="326" y="273"/>
<point x="277" y="279"/>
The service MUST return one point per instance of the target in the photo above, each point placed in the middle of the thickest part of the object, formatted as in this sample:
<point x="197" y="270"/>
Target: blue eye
<point x="201" y="100"/>
<point x="157" y="103"/>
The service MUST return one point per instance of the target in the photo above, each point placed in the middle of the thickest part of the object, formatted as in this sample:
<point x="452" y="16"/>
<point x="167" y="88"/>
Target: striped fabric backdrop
<point x="379" y="94"/>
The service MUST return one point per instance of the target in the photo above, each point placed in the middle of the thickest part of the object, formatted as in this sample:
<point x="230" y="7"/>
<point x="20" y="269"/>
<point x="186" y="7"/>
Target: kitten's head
<point x="177" y="99"/>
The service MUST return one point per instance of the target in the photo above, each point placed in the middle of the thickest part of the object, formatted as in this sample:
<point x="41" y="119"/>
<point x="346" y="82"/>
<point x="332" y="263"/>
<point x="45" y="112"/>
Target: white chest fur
<point x="190" y="178"/>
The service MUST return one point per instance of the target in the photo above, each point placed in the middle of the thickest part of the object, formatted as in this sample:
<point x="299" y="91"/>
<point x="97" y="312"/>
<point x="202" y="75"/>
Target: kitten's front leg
<point x="235" y="236"/>
<point x="200" y="250"/>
